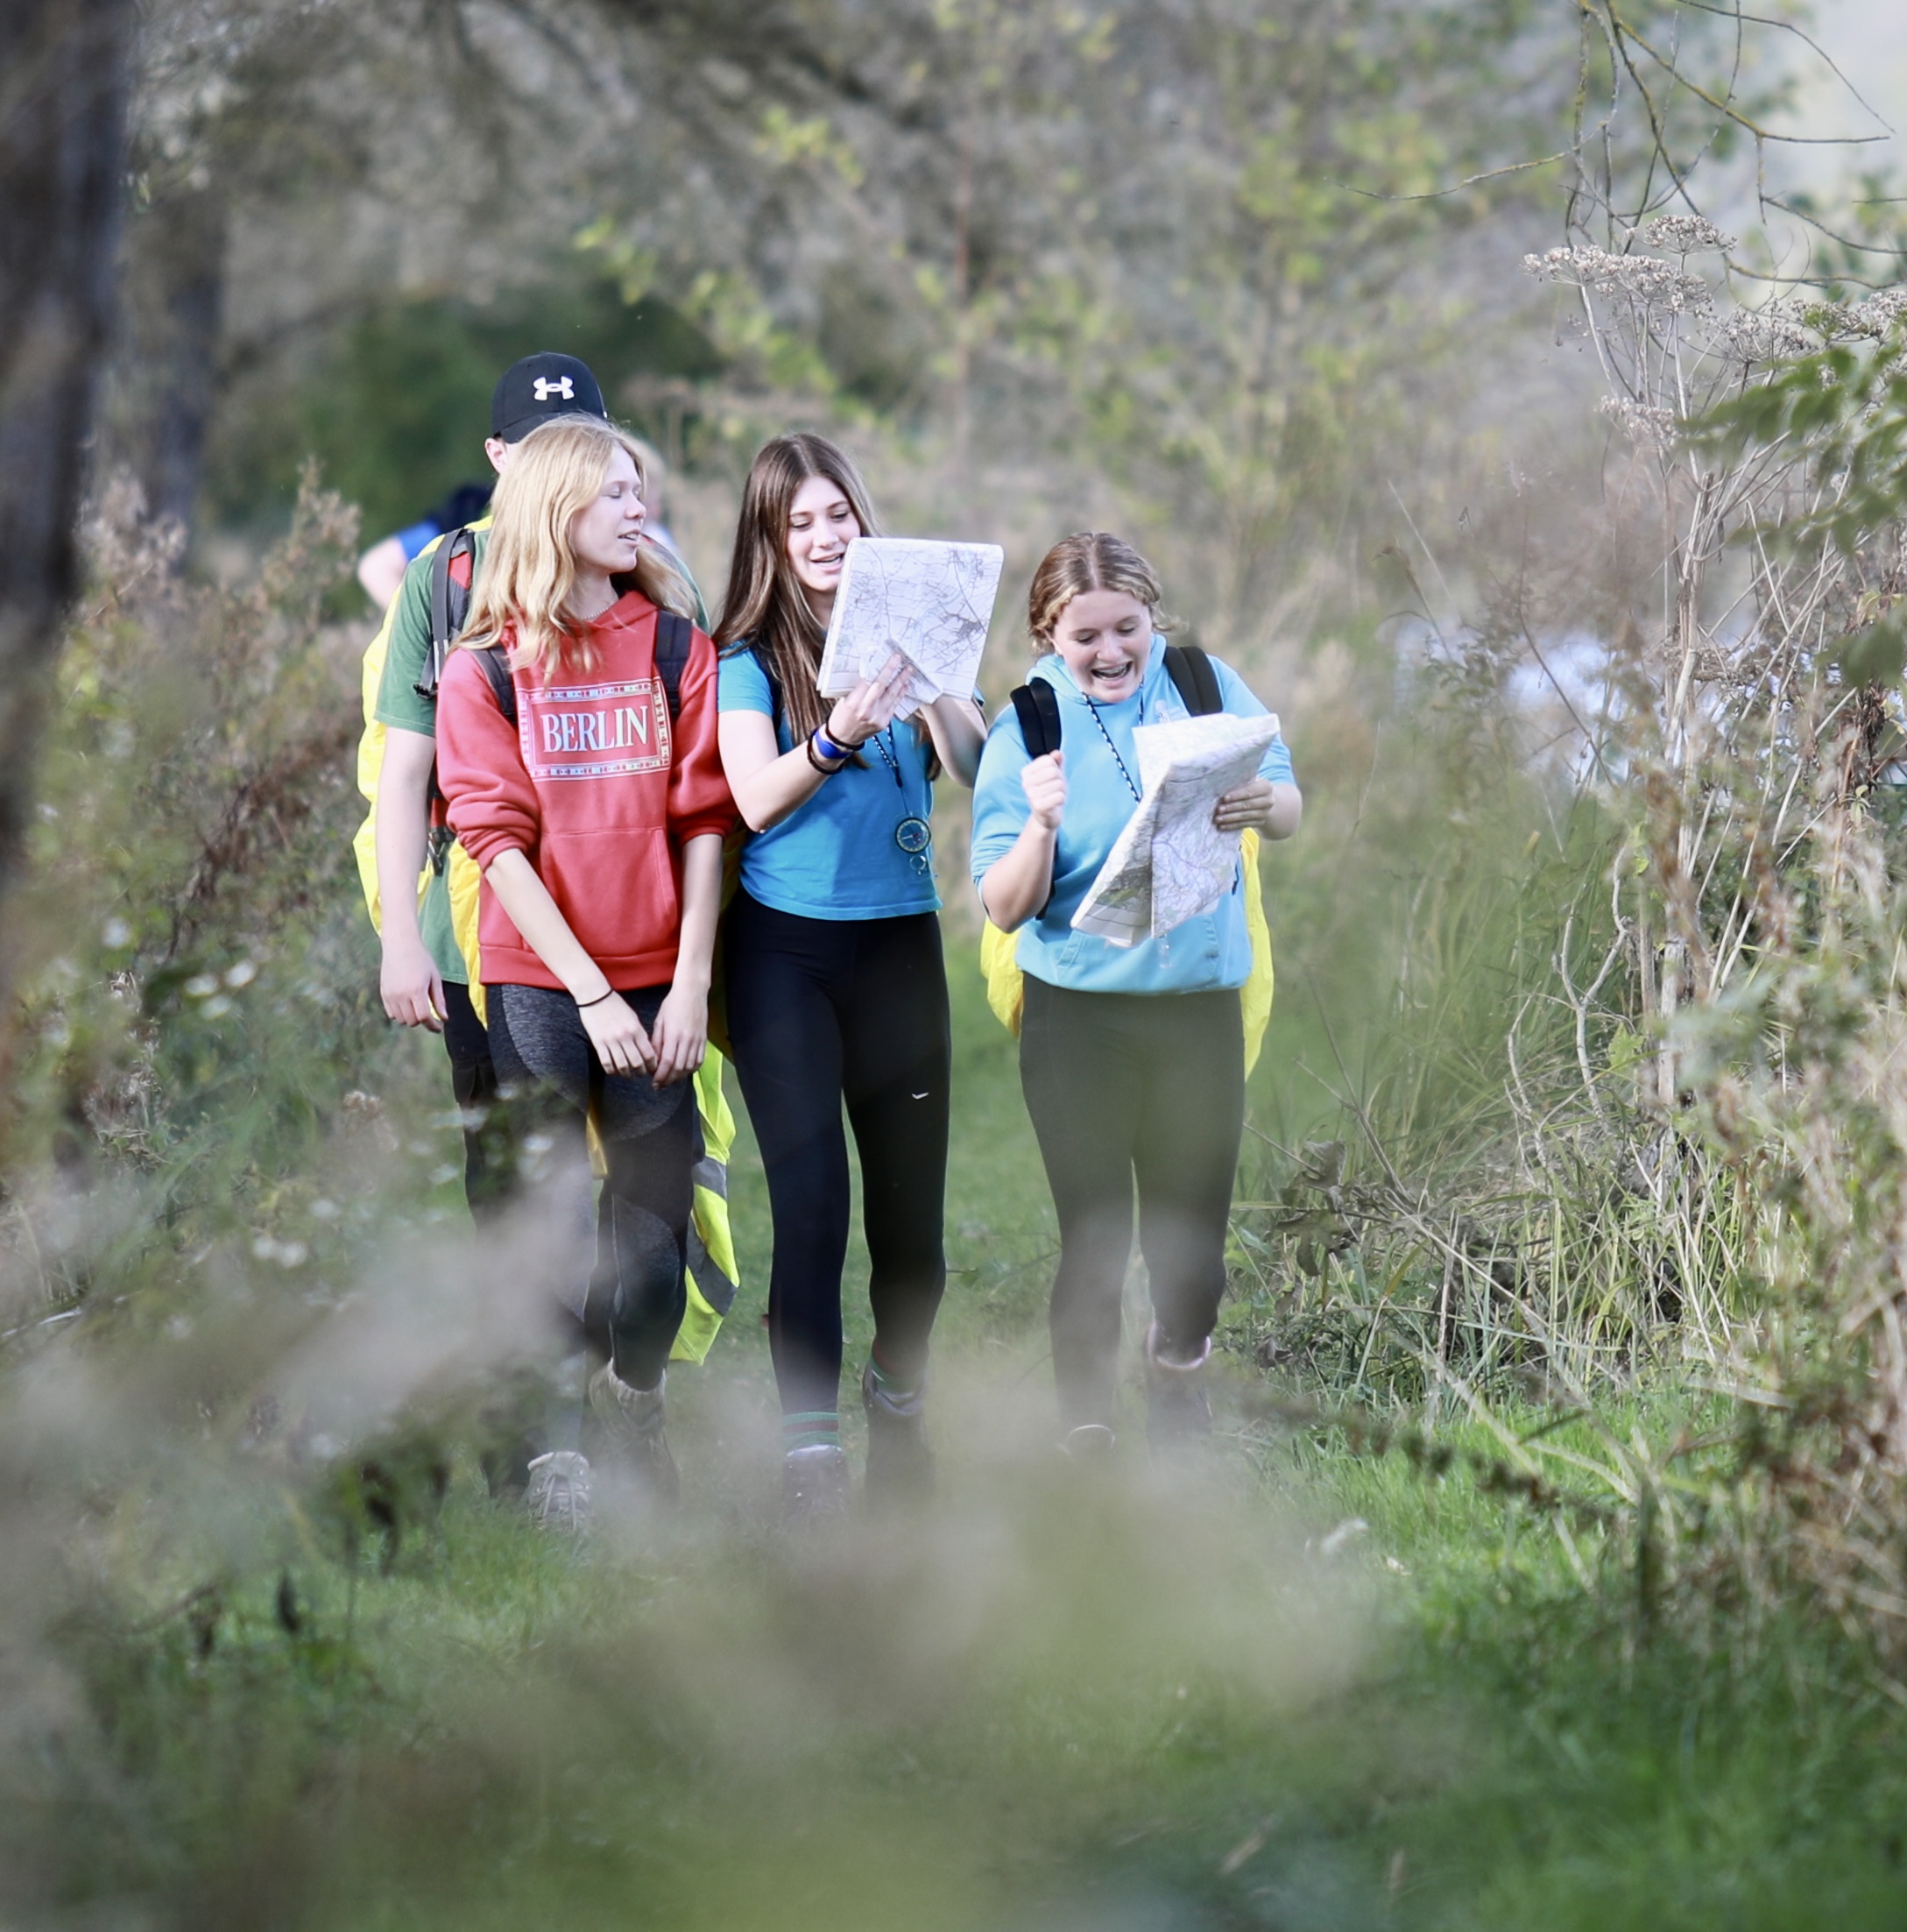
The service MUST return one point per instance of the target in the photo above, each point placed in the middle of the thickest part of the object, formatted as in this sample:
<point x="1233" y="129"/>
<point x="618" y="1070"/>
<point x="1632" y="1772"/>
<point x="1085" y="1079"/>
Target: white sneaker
<point x="1177" y="1407"/>
<point x="1090" y="1445"/>
<point x="814" y="1486"/>
<point x="558" y="1497"/>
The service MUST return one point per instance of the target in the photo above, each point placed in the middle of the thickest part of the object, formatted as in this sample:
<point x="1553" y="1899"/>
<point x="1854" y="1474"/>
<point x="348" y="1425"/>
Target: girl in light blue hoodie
<point x="1131" y="1058"/>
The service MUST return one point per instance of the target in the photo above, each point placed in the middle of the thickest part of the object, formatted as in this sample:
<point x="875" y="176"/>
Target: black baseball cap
<point x="538" y="387"/>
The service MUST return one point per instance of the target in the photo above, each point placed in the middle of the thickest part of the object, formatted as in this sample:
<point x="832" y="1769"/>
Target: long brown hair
<point x="529" y="571"/>
<point x="765" y="606"/>
<point x="1093" y="559"/>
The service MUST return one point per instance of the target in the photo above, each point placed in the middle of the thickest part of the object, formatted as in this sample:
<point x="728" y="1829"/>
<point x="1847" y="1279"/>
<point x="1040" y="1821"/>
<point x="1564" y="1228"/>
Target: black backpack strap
<point x="503" y="687"/>
<point x="674" y="636"/>
<point x="1194" y="679"/>
<point x="449" y="605"/>
<point x="1036" y="706"/>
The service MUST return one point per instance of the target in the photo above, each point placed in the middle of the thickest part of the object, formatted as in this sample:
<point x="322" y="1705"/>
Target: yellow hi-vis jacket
<point x="1005" y="984"/>
<point x="713" y="1275"/>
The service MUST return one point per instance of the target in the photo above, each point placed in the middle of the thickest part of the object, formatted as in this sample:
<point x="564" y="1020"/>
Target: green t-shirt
<point x="401" y="707"/>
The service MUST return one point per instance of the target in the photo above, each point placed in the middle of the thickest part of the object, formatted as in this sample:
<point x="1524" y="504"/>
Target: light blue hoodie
<point x="1202" y="955"/>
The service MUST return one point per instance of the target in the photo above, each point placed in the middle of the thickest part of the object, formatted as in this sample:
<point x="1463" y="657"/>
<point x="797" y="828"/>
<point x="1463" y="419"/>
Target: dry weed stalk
<point x="1708" y="1145"/>
<point x="1750" y="741"/>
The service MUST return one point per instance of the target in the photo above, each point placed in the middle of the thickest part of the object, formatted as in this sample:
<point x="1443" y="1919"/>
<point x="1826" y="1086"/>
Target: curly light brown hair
<point x="1091" y="560"/>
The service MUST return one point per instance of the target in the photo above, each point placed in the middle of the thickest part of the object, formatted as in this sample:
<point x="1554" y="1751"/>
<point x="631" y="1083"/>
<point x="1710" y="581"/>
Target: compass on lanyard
<point x="913" y="834"/>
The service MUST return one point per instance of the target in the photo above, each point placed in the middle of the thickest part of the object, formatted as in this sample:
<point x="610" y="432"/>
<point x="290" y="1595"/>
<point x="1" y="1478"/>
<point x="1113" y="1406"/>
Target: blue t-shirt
<point x="834" y="856"/>
<point x="1204" y="954"/>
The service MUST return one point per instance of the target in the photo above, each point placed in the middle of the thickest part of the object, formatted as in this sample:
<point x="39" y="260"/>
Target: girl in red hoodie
<point x="596" y="815"/>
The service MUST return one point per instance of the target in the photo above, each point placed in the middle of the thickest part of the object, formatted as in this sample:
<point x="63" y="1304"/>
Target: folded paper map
<point x="1171" y="863"/>
<point x="932" y="601"/>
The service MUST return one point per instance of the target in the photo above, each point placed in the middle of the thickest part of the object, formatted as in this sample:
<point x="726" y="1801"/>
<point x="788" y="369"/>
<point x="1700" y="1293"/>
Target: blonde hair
<point x="1092" y="560"/>
<point x="529" y="572"/>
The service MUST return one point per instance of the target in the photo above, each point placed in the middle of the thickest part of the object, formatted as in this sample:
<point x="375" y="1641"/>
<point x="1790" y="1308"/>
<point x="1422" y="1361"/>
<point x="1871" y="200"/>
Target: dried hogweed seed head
<point x="1776" y="332"/>
<point x="1655" y="284"/>
<point x="1641" y="422"/>
<point x="1879" y="313"/>
<point x="1685" y="235"/>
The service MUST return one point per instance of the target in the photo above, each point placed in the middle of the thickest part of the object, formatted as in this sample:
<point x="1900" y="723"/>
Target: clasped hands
<point x="671" y="1053"/>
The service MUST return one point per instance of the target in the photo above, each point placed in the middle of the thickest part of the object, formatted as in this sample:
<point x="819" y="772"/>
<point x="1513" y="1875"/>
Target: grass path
<point x="1172" y="1702"/>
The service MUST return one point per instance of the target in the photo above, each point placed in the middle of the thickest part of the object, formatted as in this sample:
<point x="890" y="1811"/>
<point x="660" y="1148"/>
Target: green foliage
<point x="196" y="1004"/>
<point x="396" y="406"/>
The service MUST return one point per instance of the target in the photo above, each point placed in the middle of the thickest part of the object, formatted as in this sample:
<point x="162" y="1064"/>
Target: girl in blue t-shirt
<point x="1132" y="1057"/>
<point x="836" y="988"/>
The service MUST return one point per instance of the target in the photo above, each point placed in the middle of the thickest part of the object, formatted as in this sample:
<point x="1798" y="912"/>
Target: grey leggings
<point x="634" y="1301"/>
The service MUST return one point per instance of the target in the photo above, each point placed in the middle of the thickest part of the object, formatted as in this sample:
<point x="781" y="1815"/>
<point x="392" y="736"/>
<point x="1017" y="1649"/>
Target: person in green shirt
<point x="423" y="979"/>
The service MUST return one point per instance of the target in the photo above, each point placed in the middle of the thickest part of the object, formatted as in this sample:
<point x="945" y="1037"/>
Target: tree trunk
<point x="167" y="360"/>
<point x="63" y="76"/>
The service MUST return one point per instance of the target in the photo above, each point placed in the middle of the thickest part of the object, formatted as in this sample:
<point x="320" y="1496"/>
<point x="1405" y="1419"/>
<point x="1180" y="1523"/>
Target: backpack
<point x="1036" y="706"/>
<point x="450" y="606"/>
<point x="674" y="636"/>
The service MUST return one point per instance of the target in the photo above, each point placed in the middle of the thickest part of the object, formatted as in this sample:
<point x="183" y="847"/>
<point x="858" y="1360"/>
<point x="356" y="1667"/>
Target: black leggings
<point x="1120" y="1084"/>
<point x="819" y="1011"/>
<point x="652" y="1139"/>
<point x="473" y="1079"/>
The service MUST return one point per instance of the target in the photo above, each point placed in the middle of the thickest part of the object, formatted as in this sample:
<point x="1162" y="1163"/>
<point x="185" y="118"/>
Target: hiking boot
<point x="1177" y="1408"/>
<point x="632" y="1423"/>
<point x="815" y="1485"/>
<point x="558" y="1496"/>
<point x="899" y="1464"/>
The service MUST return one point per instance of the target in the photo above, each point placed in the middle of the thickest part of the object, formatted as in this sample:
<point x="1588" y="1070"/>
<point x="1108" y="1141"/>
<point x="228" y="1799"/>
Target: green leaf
<point x="1875" y="655"/>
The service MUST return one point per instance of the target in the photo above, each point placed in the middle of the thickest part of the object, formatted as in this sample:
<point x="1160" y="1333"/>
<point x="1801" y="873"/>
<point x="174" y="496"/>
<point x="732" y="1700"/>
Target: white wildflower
<point x="202" y="985"/>
<point x="286" y="1254"/>
<point x="241" y="974"/>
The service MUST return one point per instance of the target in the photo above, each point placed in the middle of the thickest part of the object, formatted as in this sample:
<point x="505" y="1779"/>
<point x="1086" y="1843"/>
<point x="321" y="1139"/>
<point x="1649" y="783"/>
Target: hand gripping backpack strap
<point x="1037" y="706"/>
<point x="449" y="605"/>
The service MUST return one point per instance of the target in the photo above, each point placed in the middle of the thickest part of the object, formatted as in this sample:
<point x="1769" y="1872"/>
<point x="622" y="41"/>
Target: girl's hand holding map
<point x="869" y="707"/>
<point x="1246" y="808"/>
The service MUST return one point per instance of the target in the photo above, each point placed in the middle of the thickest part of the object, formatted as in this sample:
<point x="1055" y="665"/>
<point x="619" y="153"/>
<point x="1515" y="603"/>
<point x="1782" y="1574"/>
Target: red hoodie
<point x="595" y="786"/>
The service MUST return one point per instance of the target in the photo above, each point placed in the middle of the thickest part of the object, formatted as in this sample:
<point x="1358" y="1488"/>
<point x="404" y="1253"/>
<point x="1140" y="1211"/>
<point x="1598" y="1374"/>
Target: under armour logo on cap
<point x="540" y="387"/>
